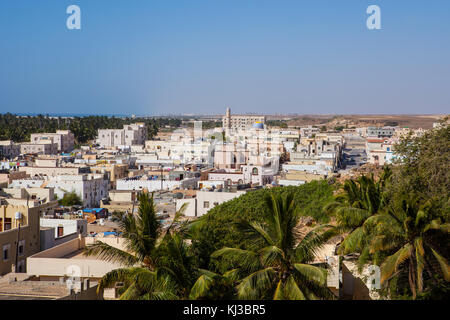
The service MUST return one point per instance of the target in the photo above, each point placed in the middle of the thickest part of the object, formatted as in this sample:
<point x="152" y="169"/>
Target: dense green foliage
<point x="276" y="265"/>
<point x="360" y="199"/>
<point x="158" y="263"/>
<point x="410" y="229"/>
<point x="216" y="229"/>
<point x="70" y="199"/>
<point x="277" y="123"/>
<point x="424" y="167"/>
<point x="401" y="220"/>
<point x="207" y="124"/>
<point x="20" y="128"/>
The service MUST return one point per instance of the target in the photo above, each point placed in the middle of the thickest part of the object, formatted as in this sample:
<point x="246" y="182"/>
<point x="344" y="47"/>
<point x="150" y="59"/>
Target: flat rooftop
<point x="32" y="290"/>
<point x="78" y="255"/>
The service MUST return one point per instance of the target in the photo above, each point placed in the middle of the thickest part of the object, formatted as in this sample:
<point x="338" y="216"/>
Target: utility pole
<point x="162" y="178"/>
<point x="17" y="249"/>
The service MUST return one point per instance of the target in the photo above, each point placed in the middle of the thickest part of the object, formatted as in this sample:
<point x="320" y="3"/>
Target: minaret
<point x="228" y="116"/>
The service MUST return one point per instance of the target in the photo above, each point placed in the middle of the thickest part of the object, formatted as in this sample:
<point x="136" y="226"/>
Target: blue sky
<point x="150" y="57"/>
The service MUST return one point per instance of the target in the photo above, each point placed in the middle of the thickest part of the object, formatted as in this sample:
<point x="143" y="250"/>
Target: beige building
<point x="11" y="176"/>
<point x="64" y="139"/>
<point x="295" y="178"/>
<point x="116" y="172"/>
<point x="132" y="134"/>
<point x="9" y="149"/>
<point x="19" y="236"/>
<point x="53" y="171"/>
<point x="47" y="147"/>
<point x="241" y="122"/>
<point x="120" y="200"/>
<point x="56" y="262"/>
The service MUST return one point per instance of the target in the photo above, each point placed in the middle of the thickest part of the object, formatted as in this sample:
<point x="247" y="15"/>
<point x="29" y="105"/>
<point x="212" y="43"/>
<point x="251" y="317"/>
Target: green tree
<point x="411" y="230"/>
<point x="422" y="166"/>
<point x="70" y="199"/>
<point x="361" y="199"/>
<point x="277" y="266"/>
<point x="216" y="229"/>
<point x="157" y="264"/>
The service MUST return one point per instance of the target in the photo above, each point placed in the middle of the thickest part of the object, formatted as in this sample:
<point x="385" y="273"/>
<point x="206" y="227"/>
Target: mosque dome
<point x="258" y="125"/>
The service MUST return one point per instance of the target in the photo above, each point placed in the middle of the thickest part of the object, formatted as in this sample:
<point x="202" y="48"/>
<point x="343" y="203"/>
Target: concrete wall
<point x="213" y="199"/>
<point x="29" y="236"/>
<point x="47" y="240"/>
<point x="52" y="262"/>
<point x="87" y="294"/>
<point x="23" y="193"/>
<point x="154" y="185"/>
<point x="50" y="171"/>
<point x="291" y="182"/>
<point x="69" y="226"/>
<point x="191" y="209"/>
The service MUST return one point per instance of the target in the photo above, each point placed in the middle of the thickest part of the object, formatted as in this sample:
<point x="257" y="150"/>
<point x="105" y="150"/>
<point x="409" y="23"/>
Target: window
<point x="8" y="224"/>
<point x="21" y="247"/>
<point x="255" y="171"/>
<point x="206" y="204"/>
<point x="6" y="249"/>
<point x="216" y="204"/>
<point x="60" y="231"/>
<point x="21" y="266"/>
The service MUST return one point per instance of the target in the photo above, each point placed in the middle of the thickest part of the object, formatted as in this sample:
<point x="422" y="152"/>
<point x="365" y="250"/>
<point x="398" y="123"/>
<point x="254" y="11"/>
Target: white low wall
<point x="52" y="263"/>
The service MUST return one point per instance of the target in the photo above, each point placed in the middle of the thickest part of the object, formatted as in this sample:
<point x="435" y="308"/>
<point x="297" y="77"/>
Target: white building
<point x="205" y="201"/>
<point x="132" y="134"/>
<point x="242" y="122"/>
<point x="154" y="185"/>
<point x="64" y="139"/>
<point x="379" y="151"/>
<point x="91" y="188"/>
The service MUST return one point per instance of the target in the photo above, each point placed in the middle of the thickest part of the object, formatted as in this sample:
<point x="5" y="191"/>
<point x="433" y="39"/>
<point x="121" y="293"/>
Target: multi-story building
<point x="379" y="151"/>
<point x="9" y="149"/>
<point x="385" y="132"/>
<point x="206" y="200"/>
<point x="91" y="188"/>
<point x="41" y="147"/>
<point x="19" y="231"/>
<point x="241" y="122"/>
<point x="131" y="134"/>
<point x="114" y="171"/>
<point x="7" y="178"/>
<point x="156" y="183"/>
<point x="64" y="139"/>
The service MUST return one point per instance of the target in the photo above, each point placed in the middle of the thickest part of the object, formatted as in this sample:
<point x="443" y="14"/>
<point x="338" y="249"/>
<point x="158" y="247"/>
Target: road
<point x="354" y="158"/>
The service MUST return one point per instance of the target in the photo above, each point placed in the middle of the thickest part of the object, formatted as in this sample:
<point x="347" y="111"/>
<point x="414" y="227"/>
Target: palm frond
<point x="256" y="284"/>
<point x="109" y="253"/>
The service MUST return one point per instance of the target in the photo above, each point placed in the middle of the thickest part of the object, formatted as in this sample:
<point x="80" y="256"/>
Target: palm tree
<point x="361" y="199"/>
<point x="145" y="274"/>
<point x="277" y="265"/>
<point x="409" y="230"/>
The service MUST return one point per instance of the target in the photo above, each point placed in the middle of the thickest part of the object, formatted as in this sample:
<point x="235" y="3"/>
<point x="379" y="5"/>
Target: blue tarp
<point x="96" y="210"/>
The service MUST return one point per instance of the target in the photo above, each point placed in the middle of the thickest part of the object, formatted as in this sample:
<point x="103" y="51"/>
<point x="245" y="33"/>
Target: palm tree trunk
<point x="412" y="277"/>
